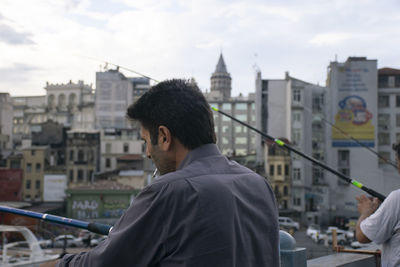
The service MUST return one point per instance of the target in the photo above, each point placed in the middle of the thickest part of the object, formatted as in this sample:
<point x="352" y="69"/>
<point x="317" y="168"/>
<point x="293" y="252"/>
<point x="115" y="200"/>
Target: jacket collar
<point x="200" y="152"/>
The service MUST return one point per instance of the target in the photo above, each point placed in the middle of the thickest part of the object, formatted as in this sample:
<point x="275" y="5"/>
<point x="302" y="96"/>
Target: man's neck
<point x="181" y="153"/>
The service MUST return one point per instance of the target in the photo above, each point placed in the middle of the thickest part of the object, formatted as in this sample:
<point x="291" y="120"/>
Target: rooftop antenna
<point x="255" y="66"/>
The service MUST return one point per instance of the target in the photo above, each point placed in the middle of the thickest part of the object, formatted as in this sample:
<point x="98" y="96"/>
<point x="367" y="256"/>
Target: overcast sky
<point x="47" y="40"/>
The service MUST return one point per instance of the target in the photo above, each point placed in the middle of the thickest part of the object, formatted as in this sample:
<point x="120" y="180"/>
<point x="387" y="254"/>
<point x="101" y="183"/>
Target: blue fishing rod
<point x="94" y="227"/>
<point x="98" y="228"/>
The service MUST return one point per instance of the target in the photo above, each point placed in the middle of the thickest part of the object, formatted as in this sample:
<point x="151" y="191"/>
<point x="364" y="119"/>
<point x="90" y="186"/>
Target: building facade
<point x="292" y="109"/>
<point x="83" y="151"/>
<point x="362" y="107"/>
<point x="117" y="144"/>
<point x="114" y="94"/>
<point x="34" y="161"/>
<point x="233" y="139"/>
<point x="71" y="104"/>
<point x="6" y="124"/>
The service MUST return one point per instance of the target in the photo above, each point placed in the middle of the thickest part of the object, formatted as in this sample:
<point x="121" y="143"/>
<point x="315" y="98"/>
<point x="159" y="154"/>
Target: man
<point x="381" y="224"/>
<point x="203" y="210"/>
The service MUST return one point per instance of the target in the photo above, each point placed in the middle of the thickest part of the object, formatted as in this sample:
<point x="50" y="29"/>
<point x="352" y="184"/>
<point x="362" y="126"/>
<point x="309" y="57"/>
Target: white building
<point x="28" y="110"/>
<point x="71" y="104"/>
<point x="355" y="106"/>
<point x="114" y="94"/>
<point x="292" y="109"/>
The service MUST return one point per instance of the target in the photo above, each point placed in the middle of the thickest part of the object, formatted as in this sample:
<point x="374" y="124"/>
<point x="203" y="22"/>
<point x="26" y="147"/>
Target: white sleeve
<point x="380" y="226"/>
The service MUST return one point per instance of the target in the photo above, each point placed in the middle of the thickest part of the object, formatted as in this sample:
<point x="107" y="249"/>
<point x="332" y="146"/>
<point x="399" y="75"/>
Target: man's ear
<point x="164" y="138"/>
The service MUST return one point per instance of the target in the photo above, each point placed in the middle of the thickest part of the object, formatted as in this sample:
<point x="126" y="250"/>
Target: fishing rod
<point x="317" y="162"/>
<point x="94" y="227"/>
<point x="120" y="67"/>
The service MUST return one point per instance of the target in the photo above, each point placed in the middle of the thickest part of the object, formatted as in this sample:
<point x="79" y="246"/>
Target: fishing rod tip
<point x="214" y="108"/>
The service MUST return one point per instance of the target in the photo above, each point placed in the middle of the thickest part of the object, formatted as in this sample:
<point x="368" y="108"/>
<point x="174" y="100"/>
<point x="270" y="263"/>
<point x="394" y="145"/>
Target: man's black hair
<point x="181" y="107"/>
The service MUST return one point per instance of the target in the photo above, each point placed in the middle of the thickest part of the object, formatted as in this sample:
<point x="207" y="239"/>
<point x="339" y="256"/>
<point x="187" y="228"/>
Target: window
<point x="383" y="101"/>
<point x="108" y="148"/>
<point x="15" y="164"/>
<point x="80" y="156"/>
<point x="384" y="121"/>
<point x="240" y="140"/>
<point x="37" y="184"/>
<point x="296" y="116"/>
<point x="344" y="157"/>
<point x="38" y="167"/>
<point x="344" y="162"/>
<point x="126" y="148"/>
<point x="225" y="140"/>
<point x="225" y="118"/>
<point x="391" y="81"/>
<point x="29" y="167"/>
<point x="71" y="175"/>
<point x="397" y="100"/>
<point x="226" y="106"/>
<point x="276" y="191"/>
<point x="296" y="174"/>
<point x="286" y="169"/>
<point x="384" y="139"/>
<point x="397" y="120"/>
<point x="241" y="106"/>
<point x="297" y="201"/>
<point x="285" y="190"/>
<point x="271" y="169"/>
<point x="28" y="184"/>
<point x="80" y="175"/>
<point x="296" y="136"/>
<point x="108" y="163"/>
<point x="279" y="170"/>
<point x="296" y="95"/>
<point x="241" y="117"/>
<point x="71" y="155"/>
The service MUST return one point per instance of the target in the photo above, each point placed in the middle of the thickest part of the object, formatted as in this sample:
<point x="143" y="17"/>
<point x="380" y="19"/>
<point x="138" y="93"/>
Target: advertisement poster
<point x="353" y="118"/>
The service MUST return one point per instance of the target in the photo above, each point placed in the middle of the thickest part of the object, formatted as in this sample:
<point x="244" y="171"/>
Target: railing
<point x="291" y="256"/>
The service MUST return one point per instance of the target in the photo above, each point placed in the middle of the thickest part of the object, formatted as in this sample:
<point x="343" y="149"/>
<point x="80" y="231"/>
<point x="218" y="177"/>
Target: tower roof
<point x="221" y="67"/>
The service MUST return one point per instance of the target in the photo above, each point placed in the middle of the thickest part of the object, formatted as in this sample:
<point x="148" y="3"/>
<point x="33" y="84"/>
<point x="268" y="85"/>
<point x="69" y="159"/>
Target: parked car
<point x="95" y="241"/>
<point x="288" y="224"/>
<point x="313" y="229"/>
<point x="70" y="240"/>
<point x="342" y="236"/>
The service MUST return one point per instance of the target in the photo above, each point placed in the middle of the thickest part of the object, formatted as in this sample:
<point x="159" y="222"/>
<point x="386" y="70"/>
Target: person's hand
<point x="366" y="206"/>
<point x="49" y="264"/>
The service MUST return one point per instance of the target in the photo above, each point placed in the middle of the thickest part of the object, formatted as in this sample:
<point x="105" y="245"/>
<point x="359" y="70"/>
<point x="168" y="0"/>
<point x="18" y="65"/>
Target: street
<point x="314" y="250"/>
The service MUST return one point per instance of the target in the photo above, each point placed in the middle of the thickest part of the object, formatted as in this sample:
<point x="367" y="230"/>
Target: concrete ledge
<point x="343" y="259"/>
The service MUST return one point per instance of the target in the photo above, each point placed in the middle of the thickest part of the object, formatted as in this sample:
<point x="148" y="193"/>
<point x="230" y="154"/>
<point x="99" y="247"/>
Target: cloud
<point x="11" y="36"/>
<point x="330" y="38"/>
<point x="17" y="72"/>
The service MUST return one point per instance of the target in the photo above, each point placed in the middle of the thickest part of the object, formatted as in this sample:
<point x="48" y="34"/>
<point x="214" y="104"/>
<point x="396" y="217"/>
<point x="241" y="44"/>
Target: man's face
<point x="160" y="158"/>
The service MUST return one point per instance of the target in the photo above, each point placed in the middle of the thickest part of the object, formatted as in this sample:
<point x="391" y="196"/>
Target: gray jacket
<point x="210" y="212"/>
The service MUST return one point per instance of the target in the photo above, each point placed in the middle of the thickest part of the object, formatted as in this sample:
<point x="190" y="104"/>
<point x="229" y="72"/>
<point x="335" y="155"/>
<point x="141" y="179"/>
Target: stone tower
<point x="221" y="80"/>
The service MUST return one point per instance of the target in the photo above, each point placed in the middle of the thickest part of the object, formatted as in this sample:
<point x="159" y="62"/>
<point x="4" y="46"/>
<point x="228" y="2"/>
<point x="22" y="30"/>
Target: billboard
<point x="54" y="187"/>
<point x="356" y="104"/>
